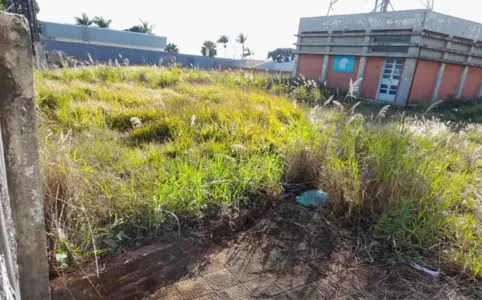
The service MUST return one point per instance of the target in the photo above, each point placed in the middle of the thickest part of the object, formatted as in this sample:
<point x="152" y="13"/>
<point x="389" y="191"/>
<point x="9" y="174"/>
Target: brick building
<point x="404" y="57"/>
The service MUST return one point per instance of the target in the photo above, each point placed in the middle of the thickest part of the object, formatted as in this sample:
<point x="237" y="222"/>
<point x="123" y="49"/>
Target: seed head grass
<point x="209" y="140"/>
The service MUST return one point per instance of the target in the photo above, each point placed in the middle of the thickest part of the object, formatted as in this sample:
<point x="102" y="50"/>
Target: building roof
<point x="102" y="36"/>
<point x="417" y="20"/>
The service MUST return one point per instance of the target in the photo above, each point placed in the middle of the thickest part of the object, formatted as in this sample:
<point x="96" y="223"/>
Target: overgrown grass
<point x="209" y="140"/>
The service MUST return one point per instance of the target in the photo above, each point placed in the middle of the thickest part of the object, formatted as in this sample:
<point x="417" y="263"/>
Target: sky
<point x="269" y="24"/>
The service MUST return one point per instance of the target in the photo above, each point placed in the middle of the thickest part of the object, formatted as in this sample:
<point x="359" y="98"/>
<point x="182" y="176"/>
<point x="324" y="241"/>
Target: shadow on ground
<point x="290" y="253"/>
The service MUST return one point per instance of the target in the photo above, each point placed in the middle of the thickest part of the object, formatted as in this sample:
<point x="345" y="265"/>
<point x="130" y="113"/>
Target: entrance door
<point x="392" y="71"/>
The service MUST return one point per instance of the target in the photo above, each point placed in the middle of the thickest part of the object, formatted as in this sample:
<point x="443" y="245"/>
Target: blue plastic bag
<point x="313" y="198"/>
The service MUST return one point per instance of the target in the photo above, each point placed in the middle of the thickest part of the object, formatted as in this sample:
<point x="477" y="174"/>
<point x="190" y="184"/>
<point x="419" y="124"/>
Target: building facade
<point x="401" y="57"/>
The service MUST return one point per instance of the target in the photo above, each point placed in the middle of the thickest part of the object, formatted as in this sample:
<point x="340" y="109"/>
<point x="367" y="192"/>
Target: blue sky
<point x="268" y="23"/>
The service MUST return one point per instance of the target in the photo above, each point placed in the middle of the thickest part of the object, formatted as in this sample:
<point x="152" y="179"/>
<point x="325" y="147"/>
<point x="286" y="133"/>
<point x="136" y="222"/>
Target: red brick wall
<point x="371" y="77"/>
<point x="340" y="79"/>
<point x="310" y="65"/>
<point x="472" y="83"/>
<point x="450" y="81"/>
<point x="424" y="81"/>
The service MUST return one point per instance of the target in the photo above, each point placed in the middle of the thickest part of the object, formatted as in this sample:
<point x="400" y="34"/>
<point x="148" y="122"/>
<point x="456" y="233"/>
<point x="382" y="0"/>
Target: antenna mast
<point x="330" y="8"/>
<point x="382" y="5"/>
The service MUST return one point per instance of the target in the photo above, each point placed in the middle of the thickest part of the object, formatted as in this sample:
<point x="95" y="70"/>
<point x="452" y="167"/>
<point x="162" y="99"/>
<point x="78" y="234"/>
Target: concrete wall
<point x="368" y="21"/>
<point x="138" y="56"/>
<point x="19" y="138"/>
<point x="101" y="36"/>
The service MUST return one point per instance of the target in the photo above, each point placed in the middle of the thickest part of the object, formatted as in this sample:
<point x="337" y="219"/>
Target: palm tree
<point x="83" y="20"/>
<point x="172" y="48"/>
<point x="247" y="53"/>
<point x="242" y="38"/>
<point x="101" y="22"/>
<point x="209" y="49"/>
<point x="224" y="39"/>
<point x="144" y="27"/>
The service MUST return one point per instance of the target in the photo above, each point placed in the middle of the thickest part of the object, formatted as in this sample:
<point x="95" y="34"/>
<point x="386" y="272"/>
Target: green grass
<point x="209" y="140"/>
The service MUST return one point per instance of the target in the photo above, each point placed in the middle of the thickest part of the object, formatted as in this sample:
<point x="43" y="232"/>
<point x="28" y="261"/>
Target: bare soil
<point x="280" y="251"/>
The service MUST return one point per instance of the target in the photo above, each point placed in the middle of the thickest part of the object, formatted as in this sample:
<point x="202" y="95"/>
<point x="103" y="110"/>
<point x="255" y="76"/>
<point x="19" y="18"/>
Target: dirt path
<point x="291" y="253"/>
<point x="295" y="253"/>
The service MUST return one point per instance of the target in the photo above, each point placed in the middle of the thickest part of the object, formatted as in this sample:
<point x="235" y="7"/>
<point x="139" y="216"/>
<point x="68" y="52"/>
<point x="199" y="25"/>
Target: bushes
<point x="417" y="191"/>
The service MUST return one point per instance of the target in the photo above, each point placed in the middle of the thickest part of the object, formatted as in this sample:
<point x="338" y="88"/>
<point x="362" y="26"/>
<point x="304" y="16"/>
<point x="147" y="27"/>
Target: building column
<point x="295" y="70"/>
<point x="324" y="69"/>
<point x="440" y="74"/>
<point x="463" y="78"/>
<point x="326" y="61"/>
<point x="436" y="89"/>
<point x="362" y="63"/>
<point x="480" y="92"/>
<point x="406" y="81"/>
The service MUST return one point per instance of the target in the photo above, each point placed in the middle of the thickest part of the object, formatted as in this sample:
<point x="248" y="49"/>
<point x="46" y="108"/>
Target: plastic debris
<point x="420" y="268"/>
<point x="313" y="198"/>
<point x="136" y="122"/>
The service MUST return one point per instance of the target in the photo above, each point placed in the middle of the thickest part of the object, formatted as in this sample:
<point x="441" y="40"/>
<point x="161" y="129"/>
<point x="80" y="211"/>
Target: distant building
<point x="101" y="43"/>
<point x="403" y="57"/>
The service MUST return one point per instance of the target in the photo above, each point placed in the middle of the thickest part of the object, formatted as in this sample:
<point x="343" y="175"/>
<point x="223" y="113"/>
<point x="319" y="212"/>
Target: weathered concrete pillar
<point x="463" y="78"/>
<point x="406" y="81"/>
<point x="19" y="135"/>
<point x="324" y="68"/>
<point x="438" y="83"/>
<point x="440" y="74"/>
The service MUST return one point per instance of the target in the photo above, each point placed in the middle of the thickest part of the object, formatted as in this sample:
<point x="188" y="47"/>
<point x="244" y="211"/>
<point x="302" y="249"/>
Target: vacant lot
<point x="210" y="142"/>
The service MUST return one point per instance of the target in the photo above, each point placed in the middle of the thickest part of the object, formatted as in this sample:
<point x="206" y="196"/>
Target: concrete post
<point x="362" y="63"/>
<point x="19" y="136"/>
<point x="438" y="83"/>
<point x="324" y="68"/>
<point x="326" y="61"/>
<point x="440" y="74"/>
<point x="406" y="81"/>
<point x="463" y="78"/>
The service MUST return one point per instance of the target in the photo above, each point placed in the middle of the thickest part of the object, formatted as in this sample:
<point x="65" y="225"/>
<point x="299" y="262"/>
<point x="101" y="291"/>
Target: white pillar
<point x="438" y="83"/>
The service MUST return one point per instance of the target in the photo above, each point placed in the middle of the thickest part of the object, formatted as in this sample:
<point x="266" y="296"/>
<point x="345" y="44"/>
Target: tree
<point x="144" y="27"/>
<point x="101" y="22"/>
<point x="16" y="6"/>
<point x="242" y="38"/>
<point x="223" y="39"/>
<point x="172" y="48"/>
<point x="282" y="55"/>
<point x="83" y="20"/>
<point x="208" y="45"/>
<point x="247" y="53"/>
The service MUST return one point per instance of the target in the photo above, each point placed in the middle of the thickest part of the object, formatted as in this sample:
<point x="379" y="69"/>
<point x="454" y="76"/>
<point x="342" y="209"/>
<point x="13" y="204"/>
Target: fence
<point x="23" y="257"/>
